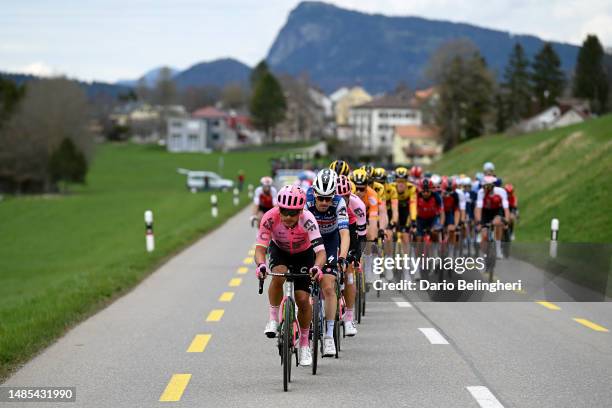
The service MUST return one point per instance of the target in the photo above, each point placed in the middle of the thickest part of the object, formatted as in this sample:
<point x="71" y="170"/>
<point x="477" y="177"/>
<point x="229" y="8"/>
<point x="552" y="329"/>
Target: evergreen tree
<point x="67" y="163"/>
<point x="268" y="104"/>
<point x="258" y="72"/>
<point x="590" y="80"/>
<point x="547" y="78"/>
<point x="517" y="86"/>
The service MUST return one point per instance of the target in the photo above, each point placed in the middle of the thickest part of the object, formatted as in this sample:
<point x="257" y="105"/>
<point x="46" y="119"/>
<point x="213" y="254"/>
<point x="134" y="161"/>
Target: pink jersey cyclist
<point x="292" y="240"/>
<point x="357" y="214"/>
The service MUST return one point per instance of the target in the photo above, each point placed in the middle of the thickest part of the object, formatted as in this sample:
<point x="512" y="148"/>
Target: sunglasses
<point x="323" y="199"/>
<point x="289" y="213"/>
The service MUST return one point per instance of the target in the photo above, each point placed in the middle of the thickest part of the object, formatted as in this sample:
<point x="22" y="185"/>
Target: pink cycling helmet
<point x="344" y="186"/>
<point x="291" y="198"/>
<point x="489" y="180"/>
<point x="266" y="181"/>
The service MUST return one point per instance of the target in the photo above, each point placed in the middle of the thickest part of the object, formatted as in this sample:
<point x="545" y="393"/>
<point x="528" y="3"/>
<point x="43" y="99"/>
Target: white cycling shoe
<point x="271" y="329"/>
<point x="349" y="328"/>
<point x="329" y="347"/>
<point x="305" y="356"/>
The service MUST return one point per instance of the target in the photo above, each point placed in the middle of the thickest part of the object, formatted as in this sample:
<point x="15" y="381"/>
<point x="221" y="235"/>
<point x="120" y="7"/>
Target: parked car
<point x="196" y="181"/>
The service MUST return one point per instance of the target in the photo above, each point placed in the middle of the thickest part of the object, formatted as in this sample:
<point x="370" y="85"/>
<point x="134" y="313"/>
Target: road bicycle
<point x="360" y="291"/>
<point x="317" y="325"/>
<point x="288" y="328"/>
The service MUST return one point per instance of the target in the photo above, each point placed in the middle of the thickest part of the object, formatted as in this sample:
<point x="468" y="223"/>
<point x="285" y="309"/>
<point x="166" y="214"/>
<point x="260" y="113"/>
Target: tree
<point x="165" y="88"/>
<point x="234" y="96"/>
<point x="51" y="110"/>
<point x="517" y="86"/>
<point x="67" y="164"/>
<point x="466" y="91"/>
<point x="590" y="80"/>
<point x="258" y="72"/>
<point x="10" y="95"/>
<point x="547" y="78"/>
<point x="268" y="104"/>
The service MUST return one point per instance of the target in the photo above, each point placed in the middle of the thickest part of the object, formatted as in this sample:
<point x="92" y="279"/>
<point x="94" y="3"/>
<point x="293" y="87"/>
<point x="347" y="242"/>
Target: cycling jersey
<point x="407" y="201"/>
<point x="264" y="201"/>
<point x="300" y="237"/>
<point x="357" y="214"/>
<point x="429" y="208"/>
<point x="451" y="202"/>
<point x="380" y="190"/>
<point x="462" y="198"/>
<point x="497" y="198"/>
<point x="332" y="220"/>
<point x="512" y="201"/>
<point x="370" y="199"/>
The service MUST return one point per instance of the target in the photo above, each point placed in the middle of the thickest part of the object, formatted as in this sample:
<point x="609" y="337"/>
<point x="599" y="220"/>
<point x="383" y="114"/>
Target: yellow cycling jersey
<point x="390" y="192"/>
<point x="380" y="190"/>
<point x="407" y="197"/>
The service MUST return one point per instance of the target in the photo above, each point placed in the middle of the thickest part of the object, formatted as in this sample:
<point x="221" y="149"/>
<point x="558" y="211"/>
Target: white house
<point x="541" y="121"/>
<point x="570" y="117"/>
<point x="374" y="122"/>
<point x="187" y="135"/>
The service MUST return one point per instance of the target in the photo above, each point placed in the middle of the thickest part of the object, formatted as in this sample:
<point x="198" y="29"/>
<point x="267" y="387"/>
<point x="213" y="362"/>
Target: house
<point x="219" y="134"/>
<point x="416" y="144"/>
<point x="354" y="97"/>
<point x="374" y="122"/>
<point x="568" y="111"/>
<point x="570" y="117"/>
<point x="187" y="135"/>
<point x="146" y="122"/>
<point x="541" y="121"/>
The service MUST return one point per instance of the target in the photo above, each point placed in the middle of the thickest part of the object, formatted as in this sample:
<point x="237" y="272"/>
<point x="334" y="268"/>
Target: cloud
<point x="39" y="69"/>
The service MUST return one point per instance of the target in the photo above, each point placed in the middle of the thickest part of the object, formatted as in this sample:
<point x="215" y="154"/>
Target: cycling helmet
<point x="401" y="173"/>
<point x="416" y="172"/>
<point x="291" y="197"/>
<point x="340" y="167"/>
<point x="343" y="186"/>
<point x="425" y="184"/>
<point x="266" y="181"/>
<point x="479" y="176"/>
<point x="466" y="181"/>
<point x="379" y="175"/>
<point x="435" y="180"/>
<point x="509" y="188"/>
<point x="488" y="166"/>
<point x="359" y="177"/>
<point x="427" y="174"/>
<point x="325" y="183"/>
<point x="489" y="180"/>
<point x="369" y="169"/>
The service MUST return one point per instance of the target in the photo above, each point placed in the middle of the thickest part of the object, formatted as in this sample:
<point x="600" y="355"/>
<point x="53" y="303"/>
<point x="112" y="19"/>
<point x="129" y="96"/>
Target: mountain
<point x="93" y="90"/>
<point x="338" y="47"/>
<point x="219" y="73"/>
<point x="150" y="77"/>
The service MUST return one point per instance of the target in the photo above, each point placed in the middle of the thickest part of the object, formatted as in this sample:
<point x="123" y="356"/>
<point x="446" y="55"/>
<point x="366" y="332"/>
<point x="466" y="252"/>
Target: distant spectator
<point x="206" y="183"/>
<point x="240" y="180"/>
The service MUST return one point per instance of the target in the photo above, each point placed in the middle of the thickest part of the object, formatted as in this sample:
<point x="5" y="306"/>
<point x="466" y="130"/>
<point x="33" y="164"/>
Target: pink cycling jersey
<point x="293" y="240"/>
<point x="357" y="213"/>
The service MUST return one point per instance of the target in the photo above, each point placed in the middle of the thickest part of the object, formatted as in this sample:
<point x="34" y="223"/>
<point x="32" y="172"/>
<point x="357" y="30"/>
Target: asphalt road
<point x="157" y="343"/>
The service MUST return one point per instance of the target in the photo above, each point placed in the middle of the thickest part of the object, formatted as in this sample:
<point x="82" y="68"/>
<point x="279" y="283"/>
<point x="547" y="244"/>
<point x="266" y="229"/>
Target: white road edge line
<point x="433" y="335"/>
<point x="400" y="302"/>
<point x="484" y="397"/>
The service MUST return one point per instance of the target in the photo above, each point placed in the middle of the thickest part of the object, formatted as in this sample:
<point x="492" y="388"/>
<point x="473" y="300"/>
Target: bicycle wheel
<point x="316" y="332"/>
<point x="287" y="340"/>
<point x="337" y="335"/>
<point x="363" y="294"/>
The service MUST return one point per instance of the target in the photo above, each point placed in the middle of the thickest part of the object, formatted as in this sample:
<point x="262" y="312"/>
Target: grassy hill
<point x="563" y="173"/>
<point x="64" y="257"/>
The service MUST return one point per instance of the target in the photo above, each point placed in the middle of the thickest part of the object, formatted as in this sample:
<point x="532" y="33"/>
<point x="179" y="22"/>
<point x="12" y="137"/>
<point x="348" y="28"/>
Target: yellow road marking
<point x="591" y="325"/>
<point x="521" y="291"/>
<point x="242" y="270"/>
<point x="215" y="315"/>
<point x="248" y="260"/>
<point x="548" y="305"/>
<point x="251" y="252"/>
<point x="199" y="343"/>
<point x="175" y="388"/>
<point x="235" y="282"/>
<point x="226" y="297"/>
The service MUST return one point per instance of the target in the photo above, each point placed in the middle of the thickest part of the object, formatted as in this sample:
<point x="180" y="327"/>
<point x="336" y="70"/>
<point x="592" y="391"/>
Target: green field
<point x="64" y="257"/>
<point x="563" y="173"/>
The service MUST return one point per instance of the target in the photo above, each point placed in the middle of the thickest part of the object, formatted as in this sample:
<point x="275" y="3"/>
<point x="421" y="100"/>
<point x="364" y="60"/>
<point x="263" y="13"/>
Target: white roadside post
<point x="213" y="202"/>
<point x="149" y="237"/>
<point x="554" y="236"/>
<point x="250" y="191"/>
<point x="236" y="198"/>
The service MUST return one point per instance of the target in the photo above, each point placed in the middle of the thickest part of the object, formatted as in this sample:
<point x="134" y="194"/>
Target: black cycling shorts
<point x="489" y="214"/>
<point x="295" y="263"/>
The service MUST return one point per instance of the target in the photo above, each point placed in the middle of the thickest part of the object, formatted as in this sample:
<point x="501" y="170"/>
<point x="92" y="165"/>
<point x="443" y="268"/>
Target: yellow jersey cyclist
<point x="379" y="189"/>
<point x="406" y="204"/>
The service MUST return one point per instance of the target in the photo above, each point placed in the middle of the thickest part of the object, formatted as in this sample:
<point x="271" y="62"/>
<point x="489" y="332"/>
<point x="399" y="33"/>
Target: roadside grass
<point x="62" y="258"/>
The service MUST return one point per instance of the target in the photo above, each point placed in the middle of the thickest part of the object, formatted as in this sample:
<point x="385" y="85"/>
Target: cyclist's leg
<point x="302" y="262"/>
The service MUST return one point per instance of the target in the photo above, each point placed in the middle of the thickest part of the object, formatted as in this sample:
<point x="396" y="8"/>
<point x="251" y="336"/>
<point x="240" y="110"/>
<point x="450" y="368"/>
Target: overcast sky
<point x="121" y="39"/>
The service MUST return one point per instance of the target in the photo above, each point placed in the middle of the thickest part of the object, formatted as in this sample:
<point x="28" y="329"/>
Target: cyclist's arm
<point x="441" y="209"/>
<point x="345" y="242"/>
<point x="383" y="219"/>
<point x="314" y="235"/>
<point x="394" y="211"/>
<point x="343" y="227"/>
<point x="264" y="236"/>
<point x="258" y="191"/>
<point x="413" y="205"/>
<point x="505" y="205"/>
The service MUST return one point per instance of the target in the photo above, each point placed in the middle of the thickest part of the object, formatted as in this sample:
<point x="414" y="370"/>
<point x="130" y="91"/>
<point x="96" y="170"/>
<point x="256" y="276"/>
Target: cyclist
<point x="513" y="206"/>
<point x="470" y="202"/>
<point x="264" y="199"/>
<point x="416" y="172"/>
<point x="489" y="170"/>
<point x="491" y="207"/>
<point x="370" y="199"/>
<point x="454" y="207"/>
<point x="292" y="239"/>
<point x="357" y="230"/>
<point x="340" y="167"/>
<point x="407" y="205"/>
<point x="330" y="212"/>
<point x="430" y="211"/>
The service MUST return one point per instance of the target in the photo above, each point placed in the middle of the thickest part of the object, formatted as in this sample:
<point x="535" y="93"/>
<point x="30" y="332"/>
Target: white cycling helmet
<point x="266" y="181"/>
<point x="325" y="183"/>
<point x="436" y="180"/>
<point x="488" y="166"/>
<point x="466" y="181"/>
